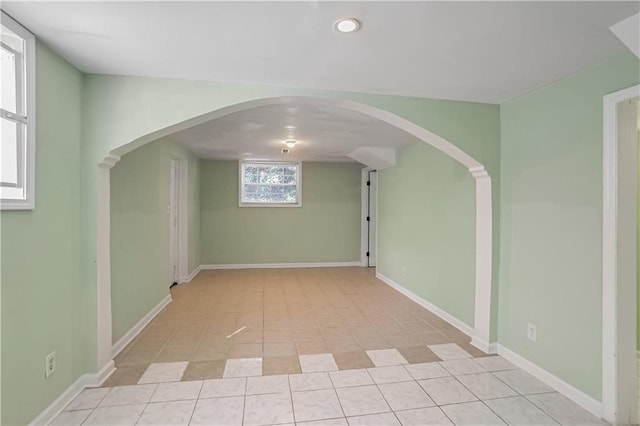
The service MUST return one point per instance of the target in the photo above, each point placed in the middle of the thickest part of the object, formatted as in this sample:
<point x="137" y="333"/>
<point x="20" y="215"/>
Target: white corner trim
<point x="95" y="380"/>
<point x="109" y="161"/>
<point x="279" y="265"/>
<point x="427" y="305"/>
<point x="136" y="329"/>
<point x="484" y="250"/>
<point x="484" y="346"/>
<point x="191" y="276"/>
<point x="84" y="381"/>
<point x="574" y="394"/>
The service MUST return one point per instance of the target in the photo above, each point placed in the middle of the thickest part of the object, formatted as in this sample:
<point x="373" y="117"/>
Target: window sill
<point x="6" y="204"/>
<point x="286" y="205"/>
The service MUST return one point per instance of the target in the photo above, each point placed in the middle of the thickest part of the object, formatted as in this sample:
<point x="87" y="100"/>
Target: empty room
<point x="320" y="213"/>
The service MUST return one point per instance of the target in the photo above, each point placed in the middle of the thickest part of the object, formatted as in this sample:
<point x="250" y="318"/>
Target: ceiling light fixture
<point x="348" y="25"/>
<point x="290" y="143"/>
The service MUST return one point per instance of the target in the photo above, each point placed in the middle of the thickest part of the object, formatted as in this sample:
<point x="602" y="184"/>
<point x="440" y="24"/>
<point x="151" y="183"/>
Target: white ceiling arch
<point x="413" y="130"/>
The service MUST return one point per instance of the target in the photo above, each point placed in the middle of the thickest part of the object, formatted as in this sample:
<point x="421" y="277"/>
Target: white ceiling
<point x="471" y="51"/>
<point x="324" y="134"/>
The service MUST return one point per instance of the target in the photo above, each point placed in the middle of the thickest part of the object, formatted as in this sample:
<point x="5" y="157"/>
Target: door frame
<point x="619" y="308"/>
<point x="364" y="224"/>
<point x="174" y="216"/>
<point x="372" y="207"/>
<point x="178" y="182"/>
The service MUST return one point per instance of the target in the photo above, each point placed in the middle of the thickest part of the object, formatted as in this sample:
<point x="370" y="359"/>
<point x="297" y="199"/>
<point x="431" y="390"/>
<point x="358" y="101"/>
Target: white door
<point x="372" y="217"/>
<point x="172" y="210"/>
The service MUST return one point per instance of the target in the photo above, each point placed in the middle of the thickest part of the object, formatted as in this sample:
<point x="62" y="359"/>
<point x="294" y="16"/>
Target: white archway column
<point x="484" y="221"/>
<point x="103" y="264"/>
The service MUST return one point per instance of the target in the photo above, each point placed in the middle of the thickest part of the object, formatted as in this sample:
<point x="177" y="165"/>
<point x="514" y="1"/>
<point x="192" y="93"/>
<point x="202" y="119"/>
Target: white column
<point x="103" y="262"/>
<point x="484" y="247"/>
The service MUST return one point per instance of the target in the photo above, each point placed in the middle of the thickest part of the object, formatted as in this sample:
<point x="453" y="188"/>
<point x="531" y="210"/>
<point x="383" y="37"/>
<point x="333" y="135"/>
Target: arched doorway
<point x="483" y="210"/>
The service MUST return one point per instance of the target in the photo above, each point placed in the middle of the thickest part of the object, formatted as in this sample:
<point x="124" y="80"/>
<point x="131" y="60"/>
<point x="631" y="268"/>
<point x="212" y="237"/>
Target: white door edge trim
<point x="610" y="368"/>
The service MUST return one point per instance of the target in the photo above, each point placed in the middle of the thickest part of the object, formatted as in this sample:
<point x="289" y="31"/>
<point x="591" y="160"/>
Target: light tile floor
<point x="315" y="347"/>
<point x="279" y="314"/>
<point x="407" y="394"/>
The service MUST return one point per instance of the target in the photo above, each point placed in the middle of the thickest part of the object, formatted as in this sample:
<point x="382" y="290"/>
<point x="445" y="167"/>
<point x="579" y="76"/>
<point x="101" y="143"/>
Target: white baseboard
<point x="574" y="394"/>
<point x="136" y="329"/>
<point x="460" y="325"/>
<point x="84" y="381"/>
<point x="486" y="347"/>
<point x="191" y="276"/>
<point x="280" y="265"/>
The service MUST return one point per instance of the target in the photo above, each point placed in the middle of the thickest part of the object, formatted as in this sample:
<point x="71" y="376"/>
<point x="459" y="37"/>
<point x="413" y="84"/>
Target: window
<point x="266" y="184"/>
<point x="17" y="124"/>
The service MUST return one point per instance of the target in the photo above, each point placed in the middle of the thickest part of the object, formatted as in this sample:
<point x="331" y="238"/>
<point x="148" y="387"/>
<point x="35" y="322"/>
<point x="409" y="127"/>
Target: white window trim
<point x="30" y="85"/>
<point x="298" y="165"/>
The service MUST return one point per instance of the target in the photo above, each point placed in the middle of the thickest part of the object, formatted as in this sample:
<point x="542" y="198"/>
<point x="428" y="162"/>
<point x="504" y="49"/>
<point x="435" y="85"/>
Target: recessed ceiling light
<point x="348" y="25"/>
<point x="290" y="143"/>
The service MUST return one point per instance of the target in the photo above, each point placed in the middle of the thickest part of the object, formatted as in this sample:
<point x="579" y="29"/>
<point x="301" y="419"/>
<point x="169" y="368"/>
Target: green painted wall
<point x="139" y="236"/>
<point x="43" y="304"/>
<point x="140" y="275"/>
<point x="426" y="223"/>
<point x="81" y="118"/>
<point x="551" y="222"/>
<point x="544" y="147"/>
<point x="325" y="229"/>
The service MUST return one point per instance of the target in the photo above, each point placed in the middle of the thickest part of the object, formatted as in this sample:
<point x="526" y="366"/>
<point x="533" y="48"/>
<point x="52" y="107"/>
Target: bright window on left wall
<point x="17" y="118"/>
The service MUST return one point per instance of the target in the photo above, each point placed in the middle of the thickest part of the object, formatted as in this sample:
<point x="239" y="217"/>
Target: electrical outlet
<point x="403" y="271"/>
<point x="50" y="364"/>
<point x="531" y="332"/>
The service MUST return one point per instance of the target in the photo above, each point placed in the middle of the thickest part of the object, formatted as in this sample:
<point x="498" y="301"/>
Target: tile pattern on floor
<point x="276" y="314"/>
<point x="326" y="346"/>
<point x="407" y="394"/>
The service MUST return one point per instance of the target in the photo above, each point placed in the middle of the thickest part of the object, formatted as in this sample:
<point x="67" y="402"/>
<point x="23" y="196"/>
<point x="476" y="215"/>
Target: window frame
<point x="25" y="119"/>
<point x="241" y="165"/>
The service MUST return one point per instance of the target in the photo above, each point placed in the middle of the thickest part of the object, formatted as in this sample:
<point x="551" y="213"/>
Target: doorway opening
<point x="483" y="211"/>
<point x="620" y="257"/>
